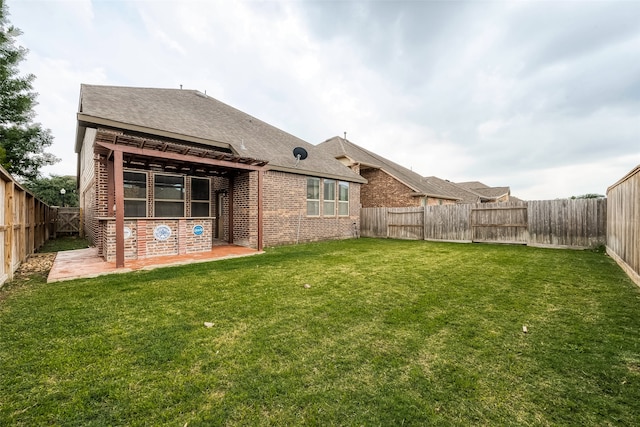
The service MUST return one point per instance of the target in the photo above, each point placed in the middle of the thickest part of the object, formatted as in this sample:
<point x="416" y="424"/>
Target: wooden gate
<point x="405" y="223"/>
<point x="68" y="221"/>
<point x="499" y="224"/>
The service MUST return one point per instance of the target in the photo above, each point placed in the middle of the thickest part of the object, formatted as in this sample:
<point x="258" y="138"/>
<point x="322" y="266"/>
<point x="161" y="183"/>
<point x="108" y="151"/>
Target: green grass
<point x="389" y="333"/>
<point x="64" y="243"/>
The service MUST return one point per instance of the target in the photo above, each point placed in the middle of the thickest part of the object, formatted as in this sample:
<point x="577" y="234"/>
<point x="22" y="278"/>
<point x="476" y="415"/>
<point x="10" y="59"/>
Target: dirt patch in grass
<point x="34" y="270"/>
<point x="36" y="264"/>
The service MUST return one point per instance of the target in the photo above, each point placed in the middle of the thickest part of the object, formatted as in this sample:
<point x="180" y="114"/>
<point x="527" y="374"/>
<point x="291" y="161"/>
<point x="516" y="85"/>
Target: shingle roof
<point x="194" y="116"/>
<point x="340" y="147"/>
<point x="484" y="190"/>
<point x="448" y="187"/>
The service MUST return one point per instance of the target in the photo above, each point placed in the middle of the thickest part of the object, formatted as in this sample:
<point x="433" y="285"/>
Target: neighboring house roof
<point x="448" y="187"/>
<point x="342" y="148"/>
<point x="472" y="184"/>
<point x="491" y="193"/>
<point x="194" y="117"/>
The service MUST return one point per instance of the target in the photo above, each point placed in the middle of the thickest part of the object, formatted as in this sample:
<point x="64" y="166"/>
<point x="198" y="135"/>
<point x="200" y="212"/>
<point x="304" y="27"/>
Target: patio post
<point x="260" y="212"/>
<point x="118" y="179"/>
<point x="231" y="185"/>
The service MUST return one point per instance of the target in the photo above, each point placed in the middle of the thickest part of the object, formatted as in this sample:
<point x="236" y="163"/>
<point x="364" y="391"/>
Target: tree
<point x="588" y="196"/>
<point x="48" y="190"/>
<point x="22" y="142"/>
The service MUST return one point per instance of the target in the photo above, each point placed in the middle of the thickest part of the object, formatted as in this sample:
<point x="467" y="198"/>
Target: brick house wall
<point x="285" y="212"/>
<point x="140" y="242"/>
<point x="383" y="190"/>
<point x="285" y="219"/>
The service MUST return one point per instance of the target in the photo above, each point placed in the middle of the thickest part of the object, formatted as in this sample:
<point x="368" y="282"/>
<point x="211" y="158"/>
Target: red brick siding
<point x="432" y="201"/>
<point x="143" y="244"/>
<point x="382" y="190"/>
<point x="285" y="212"/>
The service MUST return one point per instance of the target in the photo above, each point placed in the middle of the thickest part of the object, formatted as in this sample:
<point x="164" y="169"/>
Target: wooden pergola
<point x="122" y="150"/>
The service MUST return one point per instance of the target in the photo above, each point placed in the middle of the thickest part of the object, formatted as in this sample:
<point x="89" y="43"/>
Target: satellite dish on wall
<point x="300" y="154"/>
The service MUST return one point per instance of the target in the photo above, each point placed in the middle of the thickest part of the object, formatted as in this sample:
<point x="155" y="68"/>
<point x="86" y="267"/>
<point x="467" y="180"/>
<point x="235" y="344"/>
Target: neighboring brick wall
<point x="285" y="212"/>
<point x="382" y="190"/>
<point x="432" y="201"/>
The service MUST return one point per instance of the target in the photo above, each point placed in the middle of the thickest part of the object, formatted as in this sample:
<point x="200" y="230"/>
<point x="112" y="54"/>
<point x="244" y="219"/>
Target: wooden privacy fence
<point x="25" y="224"/>
<point x="68" y="221"/>
<point x="623" y="226"/>
<point x="559" y="223"/>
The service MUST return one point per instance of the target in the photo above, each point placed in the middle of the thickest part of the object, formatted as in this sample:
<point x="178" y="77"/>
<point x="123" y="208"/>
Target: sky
<point x="540" y="96"/>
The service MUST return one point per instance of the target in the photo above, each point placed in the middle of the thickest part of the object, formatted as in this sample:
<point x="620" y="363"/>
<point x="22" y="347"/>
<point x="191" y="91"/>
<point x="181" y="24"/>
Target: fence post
<point x="8" y="234"/>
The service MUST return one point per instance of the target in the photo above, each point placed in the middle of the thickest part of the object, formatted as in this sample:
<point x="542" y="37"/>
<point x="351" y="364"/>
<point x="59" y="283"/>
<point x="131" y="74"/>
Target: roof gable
<point x="340" y="147"/>
<point x="192" y="116"/>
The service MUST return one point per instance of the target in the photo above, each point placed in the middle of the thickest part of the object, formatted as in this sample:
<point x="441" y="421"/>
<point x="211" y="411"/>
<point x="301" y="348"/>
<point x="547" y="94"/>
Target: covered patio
<point x="116" y="152"/>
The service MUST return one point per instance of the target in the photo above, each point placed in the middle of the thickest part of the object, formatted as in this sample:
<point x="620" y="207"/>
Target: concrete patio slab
<point x="85" y="263"/>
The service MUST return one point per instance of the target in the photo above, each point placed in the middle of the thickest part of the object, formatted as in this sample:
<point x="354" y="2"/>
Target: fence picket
<point x="566" y="223"/>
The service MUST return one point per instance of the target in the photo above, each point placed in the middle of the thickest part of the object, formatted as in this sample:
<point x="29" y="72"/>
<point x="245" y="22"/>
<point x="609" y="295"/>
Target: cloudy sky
<point x="541" y="96"/>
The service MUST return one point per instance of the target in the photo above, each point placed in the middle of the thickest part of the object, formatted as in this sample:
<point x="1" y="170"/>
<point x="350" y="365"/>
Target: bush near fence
<point x="579" y="223"/>
<point x="25" y="224"/>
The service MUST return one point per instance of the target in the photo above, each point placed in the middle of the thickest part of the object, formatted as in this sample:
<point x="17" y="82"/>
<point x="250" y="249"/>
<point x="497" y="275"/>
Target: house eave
<point x="435" y="196"/>
<point x="297" y="171"/>
<point x="88" y="121"/>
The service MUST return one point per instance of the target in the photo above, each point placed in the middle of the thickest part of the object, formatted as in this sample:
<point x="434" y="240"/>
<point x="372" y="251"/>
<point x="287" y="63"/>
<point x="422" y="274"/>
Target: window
<point x="169" y="195"/>
<point x="329" y="204"/>
<point x="343" y="198"/>
<point x="313" y="196"/>
<point x="135" y="194"/>
<point x="200" y="195"/>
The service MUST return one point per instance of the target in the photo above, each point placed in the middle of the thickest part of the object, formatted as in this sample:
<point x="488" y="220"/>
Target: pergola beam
<point x="180" y="157"/>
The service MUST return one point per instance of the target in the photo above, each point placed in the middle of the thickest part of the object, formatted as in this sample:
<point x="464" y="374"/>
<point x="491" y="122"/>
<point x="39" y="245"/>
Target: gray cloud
<point x="527" y="94"/>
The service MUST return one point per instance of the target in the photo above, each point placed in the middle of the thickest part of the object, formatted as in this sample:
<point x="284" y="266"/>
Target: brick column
<point x="182" y="237"/>
<point x="141" y="234"/>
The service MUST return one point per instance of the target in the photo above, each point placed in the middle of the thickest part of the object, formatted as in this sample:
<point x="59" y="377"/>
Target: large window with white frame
<point x="168" y="194"/>
<point x="329" y="197"/>
<point x="343" y="198"/>
<point x="135" y="194"/>
<point x="200" y="197"/>
<point x="313" y="196"/>
<point x="334" y="194"/>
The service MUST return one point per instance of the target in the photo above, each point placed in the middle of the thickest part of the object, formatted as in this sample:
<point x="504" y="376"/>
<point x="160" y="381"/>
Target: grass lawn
<point x="64" y="243"/>
<point x="389" y="333"/>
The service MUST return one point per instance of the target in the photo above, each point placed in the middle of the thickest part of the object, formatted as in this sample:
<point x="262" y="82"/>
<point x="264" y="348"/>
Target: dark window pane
<point x="135" y="185"/>
<point x="135" y="208"/>
<point x="200" y="189"/>
<point x="169" y="187"/>
<point x="169" y="209"/>
<point x="199" y="209"/>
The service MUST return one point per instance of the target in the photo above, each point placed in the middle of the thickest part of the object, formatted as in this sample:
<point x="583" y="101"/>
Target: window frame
<point x="193" y="201"/>
<point x="341" y="202"/>
<point x="157" y="200"/>
<point x="137" y="199"/>
<point x="329" y="202"/>
<point x="314" y="201"/>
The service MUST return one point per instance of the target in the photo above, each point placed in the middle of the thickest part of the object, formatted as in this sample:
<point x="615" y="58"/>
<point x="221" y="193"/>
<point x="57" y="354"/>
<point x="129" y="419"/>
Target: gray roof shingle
<point x="192" y="114"/>
<point x="340" y="147"/>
